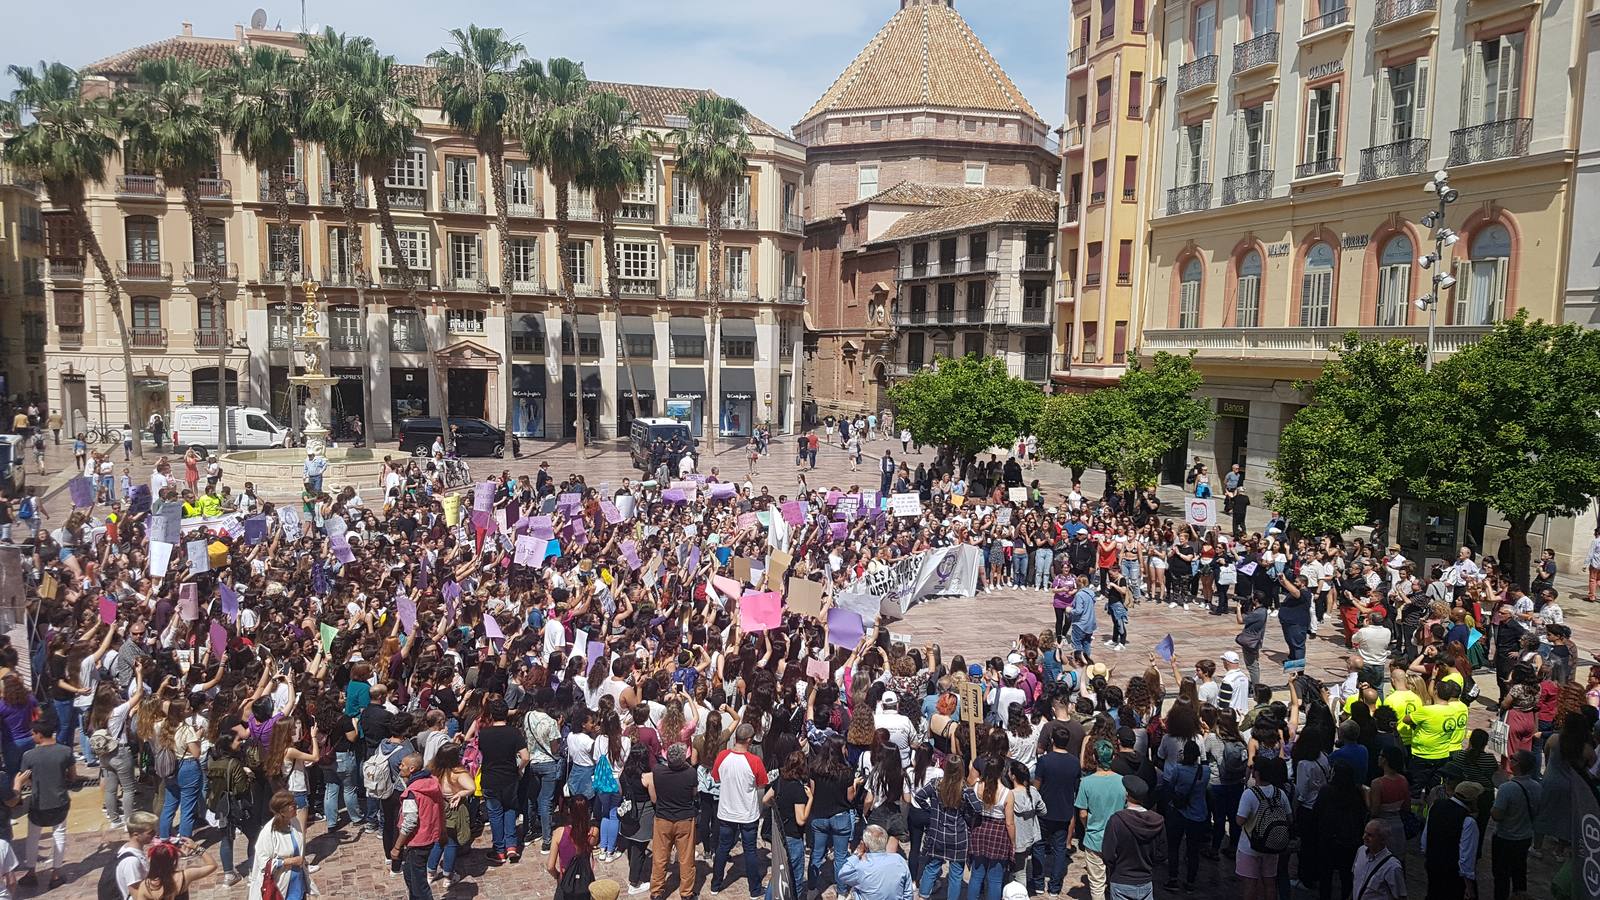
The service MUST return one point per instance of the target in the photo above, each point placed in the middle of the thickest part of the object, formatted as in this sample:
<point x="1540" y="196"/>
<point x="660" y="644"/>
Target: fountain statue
<point x="317" y="379"/>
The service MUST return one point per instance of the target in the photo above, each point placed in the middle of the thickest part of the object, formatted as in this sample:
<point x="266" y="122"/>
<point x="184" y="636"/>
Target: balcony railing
<point x="147" y="338"/>
<point x="211" y="338"/>
<point x="277" y="274"/>
<point x="453" y="204"/>
<point x="1407" y="157"/>
<point x="1102" y="116"/>
<point x="1072" y="137"/>
<point x="1036" y="366"/>
<point x="1060" y="362"/>
<point x="1330" y="19"/>
<point x="66" y="269"/>
<point x="1491" y="140"/>
<point x="1188" y="198"/>
<point x="1246" y="186"/>
<point x="794" y="224"/>
<point x="971" y="315"/>
<point x="332" y="197"/>
<point x="1388" y="11"/>
<point x="963" y="265"/>
<point x="407" y="198"/>
<point x="533" y="285"/>
<point x="1261" y="50"/>
<point x="637" y="212"/>
<point x="347" y="336"/>
<point x="1097" y="197"/>
<point x="1308" y="344"/>
<point x="687" y="217"/>
<point x="216" y="189"/>
<point x="1068" y="214"/>
<point x="685" y="292"/>
<point x="141" y="186"/>
<point x="70" y="336"/>
<point x="344" y="278"/>
<point x="475" y="284"/>
<point x="1091" y="279"/>
<point x="294" y="191"/>
<point x="582" y="213"/>
<point x="530" y="210"/>
<point x="1197" y="74"/>
<point x="639" y="287"/>
<point x="1328" y="165"/>
<point x="390" y="277"/>
<point x="144" y="271"/>
<point x="791" y="293"/>
<point x="227" y="271"/>
<point x="30" y="233"/>
<point x="1077" y="57"/>
<point x="527" y="343"/>
<point x="1034" y="315"/>
<point x="13" y="177"/>
<point x="738" y="218"/>
<point x="1035" y="262"/>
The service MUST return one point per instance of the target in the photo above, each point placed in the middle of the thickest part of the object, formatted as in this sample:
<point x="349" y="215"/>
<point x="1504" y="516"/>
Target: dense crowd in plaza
<point x="691" y="667"/>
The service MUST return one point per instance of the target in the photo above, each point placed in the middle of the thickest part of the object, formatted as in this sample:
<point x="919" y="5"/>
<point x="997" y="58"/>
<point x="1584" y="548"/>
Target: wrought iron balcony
<point x="407" y="198"/>
<point x="141" y="186"/>
<point x="276" y="273"/>
<point x="1072" y="137"/>
<point x="1491" y="140"/>
<point x="1246" y="186"/>
<point x="1077" y="58"/>
<point x="1034" y="315"/>
<point x="390" y="276"/>
<point x="791" y="293"/>
<point x="14" y="177"/>
<point x="639" y="287"/>
<point x="794" y="224"/>
<point x="739" y="217"/>
<point x="1035" y="262"/>
<point x="944" y="267"/>
<point x="294" y="191"/>
<point x="1188" y="198"/>
<point x="1328" y="165"/>
<point x="533" y="209"/>
<point x="577" y="213"/>
<point x="1091" y="279"/>
<point x="454" y="204"/>
<point x="1197" y="74"/>
<point x="637" y="212"/>
<point x="1097" y="197"/>
<point x="193" y="271"/>
<point x="1407" y="157"/>
<point x="216" y="189"/>
<point x="687" y="217"/>
<point x="134" y="270"/>
<point x="685" y="292"/>
<point x="534" y="285"/>
<point x="1069" y="213"/>
<point x="344" y="278"/>
<point x="1061" y="363"/>
<point x="1388" y="11"/>
<point x="331" y="197"/>
<point x="1261" y="50"/>
<point x="147" y="338"/>
<point x="1036" y="366"/>
<point x="1330" y="19"/>
<point x="211" y="338"/>
<point x="475" y="284"/>
<point x="66" y="269"/>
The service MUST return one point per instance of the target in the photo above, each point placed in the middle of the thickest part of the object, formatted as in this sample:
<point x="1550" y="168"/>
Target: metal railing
<point x="141" y="186"/>
<point x="1491" y="140"/>
<point x="276" y="274"/>
<point x="639" y="287"/>
<point x="533" y="285"/>
<point x="1068" y="214"/>
<point x="14" y="177"/>
<point x="1102" y="116"/>
<point x="1035" y="262"/>
<point x="1388" y="11"/>
<point x="144" y="271"/>
<point x="738" y="218"/>
<point x="332" y="197"/>
<point x="687" y="217"/>
<point x="344" y="278"/>
<point x="963" y="265"/>
<point x="685" y="292"/>
<point x="452" y="204"/>
<point x="66" y="269"/>
<point x="474" y="284"/>
<point x="1199" y="73"/>
<point x="216" y="189"/>
<point x="637" y="212"/>
<point x="1072" y="137"/>
<point x="1325" y="166"/>
<point x="390" y="277"/>
<point x="147" y="338"/>
<point x="1260" y="50"/>
<point x="1188" y="198"/>
<point x="791" y="293"/>
<point x="1315" y="342"/>
<point x="1097" y="197"/>
<point x="1077" y="58"/>
<point x="1034" y="315"/>
<point x="1036" y="367"/>
<point x="582" y="214"/>
<point x="193" y="271"/>
<point x="1061" y="362"/>
<point x="1246" y="186"/>
<point x="531" y="210"/>
<point x="1091" y="279"/>
<point x="1330" y="19"/>
<point x="407" y="198"/>
<point x="211" y="338"/>
<point x="294" y="191"/>
<point x="794" y="224"/>
<point x="1406" y="157"/>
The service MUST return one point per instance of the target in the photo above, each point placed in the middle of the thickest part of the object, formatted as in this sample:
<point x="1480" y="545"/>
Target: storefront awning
<point x="739" y="328"/>
<point x="527" y="381"/>
<point x="588" y="324"/>
<point x="638" y="326"/>
<point x="644" y="381"/>
<point x="591" y="383"/>
<point x="686" y="326"/>
<point x="684" y="383"/>
<point x="738" y="384"/>
<point x="527" y="323"/>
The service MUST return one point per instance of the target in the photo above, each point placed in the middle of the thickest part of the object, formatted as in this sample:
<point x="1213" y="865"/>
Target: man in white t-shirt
<point x="1001" y="697"/>
<point x="1234" y="692"/>
<point x="743" y="778"/>
<point x="131" y="862"/>
<point x="901" y="731"/>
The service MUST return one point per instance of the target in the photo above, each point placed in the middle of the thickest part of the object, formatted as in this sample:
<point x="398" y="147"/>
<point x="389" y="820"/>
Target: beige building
<point x="1107" y="191"/>
<point x="1293" y="141"/>
<point x="22" y="315"/>
<point x="529" y="375"/>
<point x="923" y="108"/>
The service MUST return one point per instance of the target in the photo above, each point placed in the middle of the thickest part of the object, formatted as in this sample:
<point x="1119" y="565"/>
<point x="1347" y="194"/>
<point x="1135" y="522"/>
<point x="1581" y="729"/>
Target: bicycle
<point x="103" y="434"/>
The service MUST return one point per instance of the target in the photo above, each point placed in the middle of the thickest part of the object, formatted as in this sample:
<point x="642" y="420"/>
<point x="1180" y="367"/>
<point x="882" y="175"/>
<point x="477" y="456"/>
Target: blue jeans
<point x="834" y="832"/>
<point x="930" y="874"/>
<point x="744" y="833"/>
<point x="987" y="875"/>
<point x="415" y="861"/>
<point x="503" y="825"/>
<point x="66" y="721"/>
<point x="1294" y="635"/>
<point x="442" y="856"/>
<point x="796" y="848"/>
<point x="182" y="792"/>
<point x="605" y="810"/>
<point x="226" y="851"/>
<point x="1055" y="842"/>
<point x="544" y="778"/>
<point x="346" y="768"/>
<point x="1223" y="800"/>
<point x="1019" y="569"/>
<point x="1130" y="574"/>
<point x="1042" y="558"/>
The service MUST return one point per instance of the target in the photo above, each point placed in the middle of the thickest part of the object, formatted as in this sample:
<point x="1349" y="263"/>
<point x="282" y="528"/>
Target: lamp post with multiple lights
<point x="1443" y="238"/>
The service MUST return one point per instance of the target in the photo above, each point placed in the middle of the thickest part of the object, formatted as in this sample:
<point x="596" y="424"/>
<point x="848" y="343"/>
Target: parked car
<point x="473" y="436"/>
<point x="644" y="432"/>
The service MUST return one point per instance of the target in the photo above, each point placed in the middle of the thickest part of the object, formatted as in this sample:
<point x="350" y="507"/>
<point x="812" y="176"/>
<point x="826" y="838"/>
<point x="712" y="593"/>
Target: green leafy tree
<point x="1346" y="458"/>
<point x="1518" y="425"/>
<point x="968" y="405"/>
<point x="1071" y="431"/>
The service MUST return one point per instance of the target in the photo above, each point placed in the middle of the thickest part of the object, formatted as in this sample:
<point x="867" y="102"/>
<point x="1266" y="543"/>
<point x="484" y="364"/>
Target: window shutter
<point x="1241" y="140"/>
<point x="1185" y="161"/>
<point x="480" y="264"/>
<point x="1205" y="152"/>
<point x="300" y="164"/>
<point x="1307" y="287"/>
<point x="1267" y="118"/>
<point x="1332" y="150"/>
<point x="1472" y="94"/>
<point x="1313" y="104"/>
<point x="1461" y="295"/>
<point x="1419" y="101"/>
<point x="1495" y="309"/>
<point x="1383" y="99"/>
<point x="1508" y="102"/>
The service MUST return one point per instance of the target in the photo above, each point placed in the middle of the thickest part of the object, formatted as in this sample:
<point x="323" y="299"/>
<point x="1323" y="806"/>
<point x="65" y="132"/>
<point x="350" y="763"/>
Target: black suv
<point x="473" y="436"/>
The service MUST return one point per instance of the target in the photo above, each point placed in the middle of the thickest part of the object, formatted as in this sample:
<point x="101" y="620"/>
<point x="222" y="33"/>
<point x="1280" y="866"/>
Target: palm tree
<point x="713" y="149"/>
<point x="556" y="139"/>
<point x="618" y="161"/>
<point x="170" y="123"/>
<point x="477" y="93"/>
<point x="66" y="145"/>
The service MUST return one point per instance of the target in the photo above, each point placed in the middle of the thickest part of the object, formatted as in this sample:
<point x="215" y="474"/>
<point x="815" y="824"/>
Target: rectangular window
<point x="1394" y="289"/>
<point x="576" y="257"/>
<point x="344" y="326"/>
<point x="1091" y="342"/>
<point x="461" y="176"/>
<point x="975" y="173"/>
<point x="464" y="251"/>
<point x="1138" y="17"/>
<point x="285" y="245"/>
<point x="645" y="191"/>
<point x="686" y="271"/>
<point x="791" y="199"/>
<point x="1125" y="262"/>
<point x="738" y="348"/>
<point x="688" y="346"/>
<point x="1322" y="128"/>
<point x="1194" y="154"/>
<point x="519" y="186"/>
<point x="464" y="321"/>
<point x="976" y="300"/>
<point x="1119" y="343"/>
<point x="1494" y="80"/>
<point x="203" y="317"/>
<point x="1263" y="16"/>
<point x="1247" y="306"/>
<point x="1205" y="29"/>
<point x="1189" y="304"/>
<point x="414" y="245"/>
<point x="685" y="199"/>
<point x="791" y="269"/>
<point x="737" y="271"/>
<point x="978" y="250"/>
<point x="525" y="261"/>
<point x="1481" y="291"/>
<point x="146" y="313"/>
<point x="1091" y="275"/>
<point x="409" y="171"/>
<point x="1130" y="178"/>
<point x="1102" y="101"/>
<point x="1316" y="298"/>
<point x="1399" y="107"/>
<point x="638" y="260"/>
<point x="1135" y="95"/>
<point x="339" y="262"/>
<point x="866" y="182"/>
<point x="405" y="330"/>
<point x="1097" y="182"/>
<point x="736" y="212"/>
<point x="1108" y="18"/>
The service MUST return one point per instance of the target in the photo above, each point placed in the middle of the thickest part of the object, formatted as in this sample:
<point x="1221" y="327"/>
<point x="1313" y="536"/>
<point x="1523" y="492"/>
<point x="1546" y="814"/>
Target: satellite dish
<point x="258" y="19"/>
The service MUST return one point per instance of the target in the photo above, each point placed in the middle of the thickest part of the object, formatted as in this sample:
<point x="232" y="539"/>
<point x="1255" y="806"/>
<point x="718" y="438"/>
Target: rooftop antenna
<point x="258" y="19"/>
<point x="302" y="16"/>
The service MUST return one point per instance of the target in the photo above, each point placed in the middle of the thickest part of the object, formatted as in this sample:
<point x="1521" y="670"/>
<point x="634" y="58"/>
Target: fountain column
<point x="317" y="379"/>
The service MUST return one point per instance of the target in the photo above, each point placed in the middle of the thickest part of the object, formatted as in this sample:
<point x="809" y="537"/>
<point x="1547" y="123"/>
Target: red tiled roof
<point x="1025" y="206"/>
<point x="210" y="53"/>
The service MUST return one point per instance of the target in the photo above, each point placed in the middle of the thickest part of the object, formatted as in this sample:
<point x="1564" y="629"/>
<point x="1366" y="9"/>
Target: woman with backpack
<point x="109" y="739"/>
<point x="1185" y="781"/>
<point x="177" y="762"/>
<point x="1263" y="815"/>
<point x="228" y="782"/>
<point x="611" y="749"/>
<point x="637" y="816"/>
<point x="1228" y="757"/>
<point x="571" y="859"/>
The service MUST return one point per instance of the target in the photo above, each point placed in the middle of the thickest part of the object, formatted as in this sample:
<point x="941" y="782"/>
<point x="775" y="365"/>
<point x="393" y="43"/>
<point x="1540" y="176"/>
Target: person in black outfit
<point x="673" y="788"/>
<point x="1451" y="827"/>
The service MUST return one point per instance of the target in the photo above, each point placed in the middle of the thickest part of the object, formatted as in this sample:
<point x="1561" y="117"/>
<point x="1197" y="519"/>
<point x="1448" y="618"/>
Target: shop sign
<point x="1236" y="409"/>
<point x="1278" y="249"/>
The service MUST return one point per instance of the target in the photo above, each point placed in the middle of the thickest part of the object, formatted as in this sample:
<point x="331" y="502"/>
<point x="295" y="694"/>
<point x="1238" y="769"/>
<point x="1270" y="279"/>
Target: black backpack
<point x="575" y="881"/>
<point x="106" y="888"/>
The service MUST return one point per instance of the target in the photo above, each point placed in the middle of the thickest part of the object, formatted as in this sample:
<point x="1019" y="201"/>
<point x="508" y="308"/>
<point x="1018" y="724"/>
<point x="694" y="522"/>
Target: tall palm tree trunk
<point x="569" y="307"/>
<point x="80" y="217"/>
<point x="202" y="238"/>
<point x="409" y="281"/>
<point x="608" y="234"/>
<point x="502" y="227"/>
<point x="714" y="294"/>
<point x="347" y="183"/>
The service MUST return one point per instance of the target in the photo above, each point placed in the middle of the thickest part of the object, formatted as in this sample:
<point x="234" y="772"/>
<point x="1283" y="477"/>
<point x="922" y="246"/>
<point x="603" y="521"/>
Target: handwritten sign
<point x="289" y="521"/>
<point x="793" y="512"/>
<point x="530" y="550"/>
<point x="199" y="559"/>
<point x="160" y="559"/>
<point x="1017" y="494"/>
<point x="630" y="553"/>
<point x="907" y="504"/>
<point x="483" y="496"/>
<point x="610" y="512"/>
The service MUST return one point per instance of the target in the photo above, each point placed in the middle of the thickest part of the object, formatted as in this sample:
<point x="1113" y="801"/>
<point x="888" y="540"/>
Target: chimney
<point x="188" y="29"/>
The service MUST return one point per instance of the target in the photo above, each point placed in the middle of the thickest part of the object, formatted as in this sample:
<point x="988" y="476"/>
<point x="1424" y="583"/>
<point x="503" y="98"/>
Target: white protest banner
<point x="864" y="605"/>
<point x="1017" y="494"/>
<point x="1201" y="512"/>
<point x="940" y="572"/>
<point x="907" y="504"/>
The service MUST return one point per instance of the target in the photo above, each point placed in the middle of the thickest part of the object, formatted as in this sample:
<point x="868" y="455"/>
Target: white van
<point x="249" y="427"/>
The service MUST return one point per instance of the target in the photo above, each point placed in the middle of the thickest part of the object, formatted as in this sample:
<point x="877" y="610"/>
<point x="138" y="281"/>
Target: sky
<point x="775" y="57"/>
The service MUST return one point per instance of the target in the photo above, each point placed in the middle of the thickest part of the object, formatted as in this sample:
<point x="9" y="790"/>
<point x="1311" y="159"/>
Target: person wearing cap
<point x="1450" y="844"/>
<point x="1234" y="690"/>
<point x="1082" y="631"/>
<point x="873" y="873"/>
<point x="1100" y="796"/>
<point x="901" y="731"/>
<point x="1132" y="847"/>
<point x="1003" y="695"/>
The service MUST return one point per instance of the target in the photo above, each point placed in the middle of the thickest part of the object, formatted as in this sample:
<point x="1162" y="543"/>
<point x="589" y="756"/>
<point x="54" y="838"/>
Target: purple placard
<point x="341" y="549"/>
<point x="722" y="491"/>
<point x="219" y="639"/>
<point x="483" y="496"/>
<point x="230" y="601"/>
<point x="630" y="552"/>
<point x="794" y="512"/>
<point x="491" y="628"/>
<point x="833" y="497"/>
<point x="406" y="609"/>
<point x="673" y="495"/>
<point x="610" y="512"/>
<point x="530" y="550"/>
<point x="255" y="529"/>
<point x="543" y="528"/>
<point x="694" y="557"/>
<point x="82" y="489"/>
<point x="108" y="610"/>
<point x="450" y="591"/>
<point x="838" y="530"/>
<point x="747" y="519"/>
<point x="845" y="628"/>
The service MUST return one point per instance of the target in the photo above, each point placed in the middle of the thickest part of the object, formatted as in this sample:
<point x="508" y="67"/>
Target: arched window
<point x="1316" y="287"/>
<point x="1189" y="295"/>
<point x="205" y="386"/>
<point x="1247" y="303"/>
<point x="1394" y="281"/>
<point x="143" y="239"/>
<point x="1481" y="282"/>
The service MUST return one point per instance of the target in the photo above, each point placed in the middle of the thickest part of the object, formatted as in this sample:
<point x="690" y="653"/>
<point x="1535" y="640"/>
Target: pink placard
<point x="761" y="612"/>
<point x="727" y="587"/>
<point x="108" y="610"/>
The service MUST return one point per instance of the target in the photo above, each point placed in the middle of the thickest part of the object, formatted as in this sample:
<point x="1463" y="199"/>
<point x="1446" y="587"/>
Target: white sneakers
<point x="636" y="889"/>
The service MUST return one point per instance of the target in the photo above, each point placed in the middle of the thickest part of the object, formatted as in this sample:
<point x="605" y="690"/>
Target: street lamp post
<point x="1443" y="238"/>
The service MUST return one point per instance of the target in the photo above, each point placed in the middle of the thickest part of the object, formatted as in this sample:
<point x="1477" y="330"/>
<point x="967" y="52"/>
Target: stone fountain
<point x="317" y="379"/>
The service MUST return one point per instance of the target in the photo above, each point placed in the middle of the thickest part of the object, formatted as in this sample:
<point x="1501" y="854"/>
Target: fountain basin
<point x="279" y="474"/>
